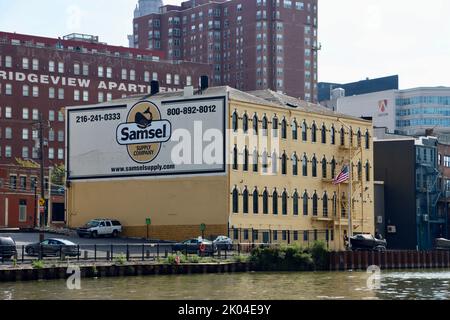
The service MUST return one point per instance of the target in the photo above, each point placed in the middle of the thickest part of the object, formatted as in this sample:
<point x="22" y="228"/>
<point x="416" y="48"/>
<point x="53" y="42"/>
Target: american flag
<point x="343" y="176"/>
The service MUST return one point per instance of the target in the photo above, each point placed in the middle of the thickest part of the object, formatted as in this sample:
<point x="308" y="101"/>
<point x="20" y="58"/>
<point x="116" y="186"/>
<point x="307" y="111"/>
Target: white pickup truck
<point x="100" y="227"/>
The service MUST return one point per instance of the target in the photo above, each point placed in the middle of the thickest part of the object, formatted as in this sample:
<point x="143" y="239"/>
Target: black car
<point x="53" y="247"/>
<point x="367" y="242"/>
<point x="195" y="246"/>
<point x="7" y="248"/>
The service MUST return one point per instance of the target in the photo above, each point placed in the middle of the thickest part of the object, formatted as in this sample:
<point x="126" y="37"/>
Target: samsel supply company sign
<point x="147" y="138"/>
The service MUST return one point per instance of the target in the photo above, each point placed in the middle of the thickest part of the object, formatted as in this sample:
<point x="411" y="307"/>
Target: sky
<point x="360" y="38"/>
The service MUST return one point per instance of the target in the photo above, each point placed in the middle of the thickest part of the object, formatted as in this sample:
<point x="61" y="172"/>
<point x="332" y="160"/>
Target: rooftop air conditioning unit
<point x="391" y="229"/>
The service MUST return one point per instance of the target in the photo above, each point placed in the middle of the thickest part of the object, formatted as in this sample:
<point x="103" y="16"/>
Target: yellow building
<point x="283" y="155"/>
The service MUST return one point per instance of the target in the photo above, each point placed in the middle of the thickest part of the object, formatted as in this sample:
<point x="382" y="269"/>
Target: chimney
<point x="154" y="85"/>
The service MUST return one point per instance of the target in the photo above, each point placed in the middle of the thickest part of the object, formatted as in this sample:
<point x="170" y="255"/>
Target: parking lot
<point x="97" y="249"/>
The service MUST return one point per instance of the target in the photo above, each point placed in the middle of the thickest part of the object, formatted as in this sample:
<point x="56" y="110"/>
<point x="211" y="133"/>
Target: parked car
<point x="223" y="243"/>
<point x="100" y="227"/>
<point x="7" y="248"/>
<point x="194" y="245"/>
<point x="367" y="242"/>
<point x="53" y="247"/>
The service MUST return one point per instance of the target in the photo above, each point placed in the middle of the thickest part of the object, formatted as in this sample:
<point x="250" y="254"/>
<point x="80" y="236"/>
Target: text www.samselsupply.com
<point x="144" y="168"/>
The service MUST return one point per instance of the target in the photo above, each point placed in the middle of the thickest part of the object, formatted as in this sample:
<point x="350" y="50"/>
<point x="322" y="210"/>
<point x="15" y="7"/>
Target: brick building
<point x="252" y="44"/>
<point x="40" y="76"/>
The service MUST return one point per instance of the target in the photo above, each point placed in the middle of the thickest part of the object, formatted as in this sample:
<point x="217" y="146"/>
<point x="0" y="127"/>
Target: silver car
<point x="223" y="243"/>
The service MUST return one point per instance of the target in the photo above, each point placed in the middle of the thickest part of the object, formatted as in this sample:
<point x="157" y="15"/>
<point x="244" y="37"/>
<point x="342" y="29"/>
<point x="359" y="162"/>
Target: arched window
<point x="304" y="131"/>
<point x="315" y="205"/>
<point x="333" y="168"/>
<point x="275" y="127"/>
<point x="335" y="201"/>
<point x="235" y="200"/>
<point x="245" y="200"/>
<point x="314" y="166"/>
<point x="342" y="136"/>
<point x="274" y="162"/>
<point x="284" y="203"/>
<point x="359" y="138"/>
<point x="255" y="124"/>
<point x="351" y="136"/>
<point x="324" y="168"/>
<point x="265" y="162"/>
<point x="246" y="161"/>
<point x="235" y="121"/>
<point x="359" y="170"/>
<point x="255" y="160"/>
<point x="325" y="205"/>
<point x="367" y="171"/>
<point x="324" y="134"/>
<point x="284" y="129"/>
<point x="265" y="126"/>
<point x="235" y="157"/>
<point x="343" y="206"/>
<point x="275" y="202"/>
<point x="255" y="201"/>
<point x="294" y="130"/>
<point x="305" y="166"/>
<point x="333" y="135"/>
<point x="367" y="140"/>
<point x="314" y="132"/>
<point x="265" y="201"/>
<point x="284" y="163"/>
<point x="245" y="123"/>
<point x="295" y="202"/>
<point x="305" y="203"/>
<point x="295" y="165"/>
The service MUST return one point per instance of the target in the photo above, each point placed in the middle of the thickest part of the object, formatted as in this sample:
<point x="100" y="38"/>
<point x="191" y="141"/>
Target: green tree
<point x="59" y="175"/>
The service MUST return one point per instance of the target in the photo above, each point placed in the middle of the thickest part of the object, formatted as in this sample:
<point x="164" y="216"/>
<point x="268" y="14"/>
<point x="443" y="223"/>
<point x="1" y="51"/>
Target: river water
<point x="244" y="286"/>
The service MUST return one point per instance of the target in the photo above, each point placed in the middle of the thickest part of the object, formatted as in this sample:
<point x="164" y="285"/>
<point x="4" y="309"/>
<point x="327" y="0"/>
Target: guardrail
<point x="26" y="254"/>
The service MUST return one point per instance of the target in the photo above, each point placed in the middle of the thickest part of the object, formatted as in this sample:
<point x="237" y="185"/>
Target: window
<point x="359" y="170"/>
<point x="333" y="168"/>
<point x="304" y="131"/>
<point x="255" y="124"/>
<point x="61" y="94"/>
<point x="265" y="201"/>
<point x="101" y="97"/>
<point x="25" y="90"/>
<point x="305" y="166"/>
<point x="359" y="137"/>
<point x="51" y="115"/>
<point x="147" y="76"/>
<point x="314" y="167"/>
<point x="333" y="135"/>
<point x="283" y="129"/>
<point x="315" y="205"/>
<point x="245" y="201"/>
<point x="295" y="165"/>
<point x="284" y="164"/>
<point x="235" y="200"/>
<point x="22" y="210"/>
<point x="51" y="135"/>
<point x="8" y="133"/>
<point x="85" y="96"/>
<point x="51" y="66"/>
<point x="294" y="130"/>
<point x="168" y="78"/>
<point x="25" y="134"/>
<point x="76" y="95"/>
<point x="274" y="162"/>
<point x="109" y="72"/>
<point x="314" y="133"/>
<point x="25" y="114"/>
<point x="335" y="204"/>
<point x="264" y="162"/>
<point x="51" y="153"/>
<point x="8" y="112"/>
<point x="351" y="136"/>
<point x="85" y="70"/>
<point x="76" y="69"/>
<point x="235" y="158"/>
<point x="35" y="91"/>
<point x="295" y="203"/>
<point x="8" y="152"/>
<point x="367" y="140"/>
<point x="367" y="171"/>
<point x="132" y="75"/>
<point x="8" y="62"/>
<point x="35" y="114"/>
<point x="246" y="162"/>
<point x="325" y="205"/>
<point x="265" y="125"/>
<point x="13" y="182"/>
<point x="275" y="202"/>
<point x="234" y="121"/>
<point x="275" y="127"/>
<point x="324" y="168"/>
<point x="255" y="160"/>
<point x="100" y="72"/>
<point x="60" y="136"/>
<point x="305" y="203"/>
<point x="35" y="64"/>
<point x="255" y="202"/>
<point x="324" y="134"/>
<point x="25" y="154"/>
<point x="61" y="67"/>
<point x="25" y="63"/>
<point x="284" y="203"/>
<point x="51" y="93"/>
<point x="60" y="116"/>
<point x="245" y="123"/>
<point x="342" y="136"/>
<point x="8" y="89"/>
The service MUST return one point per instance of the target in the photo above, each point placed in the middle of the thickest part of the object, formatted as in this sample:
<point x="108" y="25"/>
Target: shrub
<point x="240" y="259"/>
<point x="285" y="258"/>
<point x="38" y="264"/>
<point x="319" y="253"/>
<point x="120" y="260"/>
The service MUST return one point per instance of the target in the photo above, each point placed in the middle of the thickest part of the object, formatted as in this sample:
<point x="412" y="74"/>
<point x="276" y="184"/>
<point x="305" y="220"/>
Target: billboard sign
<point x="144" y="138"/>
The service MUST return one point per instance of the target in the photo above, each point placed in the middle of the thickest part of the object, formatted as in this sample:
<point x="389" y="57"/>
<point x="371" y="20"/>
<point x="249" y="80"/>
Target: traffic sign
<point x="148" y="221"/>
<point x="41" y="202"/>
<point x="42" y="209"/>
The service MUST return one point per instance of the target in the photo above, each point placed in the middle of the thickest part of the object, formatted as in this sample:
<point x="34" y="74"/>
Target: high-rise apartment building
<point x="253" y="44"/>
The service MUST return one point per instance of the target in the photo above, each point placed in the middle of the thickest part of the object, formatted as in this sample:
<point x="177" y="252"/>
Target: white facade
<point x="380" y="106"/>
